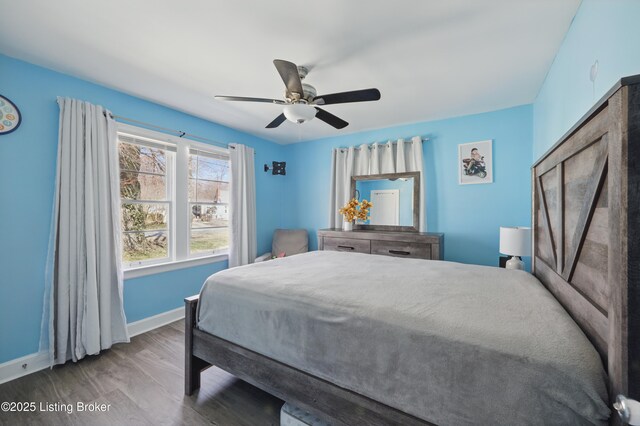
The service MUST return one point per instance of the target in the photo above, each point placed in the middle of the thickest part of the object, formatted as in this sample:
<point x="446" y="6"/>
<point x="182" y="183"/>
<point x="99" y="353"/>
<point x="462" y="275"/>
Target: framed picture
<point x="475" y="162"/>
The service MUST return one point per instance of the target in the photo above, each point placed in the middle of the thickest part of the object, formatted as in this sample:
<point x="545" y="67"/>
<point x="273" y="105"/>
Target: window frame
<point x="179" y="224"/>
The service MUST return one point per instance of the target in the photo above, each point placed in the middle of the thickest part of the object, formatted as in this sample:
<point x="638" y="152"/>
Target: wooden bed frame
<point x="586" y="230"/>
<point x="586" y="251"/>
<point x="325" y="400"/>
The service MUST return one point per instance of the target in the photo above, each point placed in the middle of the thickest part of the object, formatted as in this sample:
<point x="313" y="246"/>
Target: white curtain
<point x="83" y="294"/>
<point x="401" y="156"/>
<point x="341" y="172"/>
<point x="244" y="246"/>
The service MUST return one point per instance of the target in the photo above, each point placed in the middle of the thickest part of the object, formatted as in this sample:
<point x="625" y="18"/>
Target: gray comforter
<point x="449" y="343"/>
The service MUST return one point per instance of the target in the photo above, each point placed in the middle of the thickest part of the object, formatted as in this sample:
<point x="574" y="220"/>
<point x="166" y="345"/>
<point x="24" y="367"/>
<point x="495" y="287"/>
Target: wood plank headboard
<point x="586" y="229"/>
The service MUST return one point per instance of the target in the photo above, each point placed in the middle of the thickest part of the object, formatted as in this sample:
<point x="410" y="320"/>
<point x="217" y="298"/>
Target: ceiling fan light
<point x="299" y="113"/>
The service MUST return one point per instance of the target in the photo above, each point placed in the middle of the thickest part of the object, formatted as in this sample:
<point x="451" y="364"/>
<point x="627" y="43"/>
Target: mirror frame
<point x="416" y="201"/>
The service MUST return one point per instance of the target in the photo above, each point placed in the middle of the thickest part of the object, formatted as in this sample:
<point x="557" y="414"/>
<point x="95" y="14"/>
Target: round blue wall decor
<point x="10" y="117"/>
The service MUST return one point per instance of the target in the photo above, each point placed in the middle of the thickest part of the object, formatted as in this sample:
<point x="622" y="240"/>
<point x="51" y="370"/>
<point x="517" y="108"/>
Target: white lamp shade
<point x="515" y="241"/>
<point x="299" y="113"/>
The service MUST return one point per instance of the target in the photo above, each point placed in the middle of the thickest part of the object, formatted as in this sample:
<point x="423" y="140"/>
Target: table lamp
<point x="515" y="242"/>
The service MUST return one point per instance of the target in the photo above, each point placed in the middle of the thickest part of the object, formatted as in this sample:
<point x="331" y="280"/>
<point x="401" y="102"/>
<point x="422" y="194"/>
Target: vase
<point x="347" y="226"/>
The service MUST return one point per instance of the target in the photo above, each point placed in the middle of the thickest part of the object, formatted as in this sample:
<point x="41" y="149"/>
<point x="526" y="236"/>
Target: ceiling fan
<point x="301" y="101"/>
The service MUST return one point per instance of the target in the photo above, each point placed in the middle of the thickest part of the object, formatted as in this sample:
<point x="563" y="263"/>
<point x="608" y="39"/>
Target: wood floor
<point x="143" y="382"/>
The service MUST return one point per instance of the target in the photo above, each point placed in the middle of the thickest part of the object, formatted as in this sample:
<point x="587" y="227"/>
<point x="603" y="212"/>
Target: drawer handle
<point x="346" y="248"/>
<point x="401" y="252"/>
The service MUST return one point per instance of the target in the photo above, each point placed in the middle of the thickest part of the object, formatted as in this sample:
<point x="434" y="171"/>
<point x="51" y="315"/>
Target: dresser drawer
<point x="347" y="244"/>
<point x="401" y="249"/>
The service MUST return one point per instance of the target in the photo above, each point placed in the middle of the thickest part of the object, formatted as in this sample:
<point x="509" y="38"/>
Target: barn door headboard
<point x="586" y="222"/>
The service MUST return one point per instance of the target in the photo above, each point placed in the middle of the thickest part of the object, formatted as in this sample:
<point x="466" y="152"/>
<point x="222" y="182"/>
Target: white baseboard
<point x="28" y="364"/>
<point x="150" y="323"/>
<point x="19" y="367"/>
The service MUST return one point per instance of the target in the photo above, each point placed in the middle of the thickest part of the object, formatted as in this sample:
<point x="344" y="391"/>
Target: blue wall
<point x="469" y="215"/>
<point x="27" y="173"/>
<point x="606" y="31"/>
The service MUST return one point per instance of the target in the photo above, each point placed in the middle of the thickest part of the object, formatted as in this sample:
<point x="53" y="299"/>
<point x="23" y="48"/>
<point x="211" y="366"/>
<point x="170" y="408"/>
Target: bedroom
<point x="511" y="79"/>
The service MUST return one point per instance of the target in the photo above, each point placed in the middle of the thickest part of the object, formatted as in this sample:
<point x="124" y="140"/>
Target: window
<point x="208" y="201"/>
<point x="174" y="196"/>
<point x="146" y="200"/>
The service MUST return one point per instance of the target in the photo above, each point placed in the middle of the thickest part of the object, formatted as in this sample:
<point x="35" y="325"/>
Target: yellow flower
<point x="356" y="210"/>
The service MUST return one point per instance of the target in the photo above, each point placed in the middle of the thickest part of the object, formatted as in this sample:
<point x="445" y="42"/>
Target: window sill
<point x="142" y="271"/>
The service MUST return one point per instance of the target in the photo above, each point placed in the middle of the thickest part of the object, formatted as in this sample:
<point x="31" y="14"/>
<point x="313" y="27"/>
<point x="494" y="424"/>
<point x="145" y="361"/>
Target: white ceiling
<point x="430" y="58"/>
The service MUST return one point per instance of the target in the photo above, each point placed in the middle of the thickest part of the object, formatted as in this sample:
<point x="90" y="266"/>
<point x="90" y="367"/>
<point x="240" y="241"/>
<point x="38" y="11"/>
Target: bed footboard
<point x="304" y="390"/>
<point x="193" y="365"/>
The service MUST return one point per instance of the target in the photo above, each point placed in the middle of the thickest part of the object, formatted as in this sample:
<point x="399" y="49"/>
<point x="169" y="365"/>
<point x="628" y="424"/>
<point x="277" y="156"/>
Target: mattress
<point x="446" y="342"/>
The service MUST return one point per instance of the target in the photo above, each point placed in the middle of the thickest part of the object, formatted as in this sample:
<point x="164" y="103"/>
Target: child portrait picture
<point x="475" y="163"/>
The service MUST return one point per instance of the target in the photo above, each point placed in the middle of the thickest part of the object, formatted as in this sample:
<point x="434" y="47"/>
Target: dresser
<point x="417" y="245"/>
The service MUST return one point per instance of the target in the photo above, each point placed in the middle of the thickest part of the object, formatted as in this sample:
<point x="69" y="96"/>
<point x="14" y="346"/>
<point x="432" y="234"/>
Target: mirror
<point x="395" y="198"/>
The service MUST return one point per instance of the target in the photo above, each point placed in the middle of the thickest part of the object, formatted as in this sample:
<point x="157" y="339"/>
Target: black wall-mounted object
<point x="277" y="168"/>
<point x="503" y="261"/>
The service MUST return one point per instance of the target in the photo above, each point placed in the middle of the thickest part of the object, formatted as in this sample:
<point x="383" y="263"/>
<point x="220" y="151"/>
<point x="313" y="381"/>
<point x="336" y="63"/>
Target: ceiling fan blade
<point x="245" y="99"/>
<point x="289" y="73"/>
<point x="278" y="121"/>
<point x="330" y="119"/>
<point x="347" y="97"/>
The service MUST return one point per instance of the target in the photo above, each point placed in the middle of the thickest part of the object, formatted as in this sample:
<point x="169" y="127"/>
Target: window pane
<point x="213" y="168"/>
<point x="141" y="246"/>
<point x="203" y="166"/>
<point x="140" y="186"/>
<point x="209" y="240"/>
<point x="208" y="215"/>
<point x="144" y="217"/>
<point x="142" y="158"/>
<point x="208" y="192"/>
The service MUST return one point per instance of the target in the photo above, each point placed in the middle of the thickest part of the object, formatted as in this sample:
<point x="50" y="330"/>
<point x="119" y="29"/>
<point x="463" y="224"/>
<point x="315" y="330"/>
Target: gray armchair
<point x="287" y="241"/>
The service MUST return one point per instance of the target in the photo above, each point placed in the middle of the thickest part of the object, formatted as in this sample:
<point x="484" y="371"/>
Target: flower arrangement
<point x="356" y="210"/>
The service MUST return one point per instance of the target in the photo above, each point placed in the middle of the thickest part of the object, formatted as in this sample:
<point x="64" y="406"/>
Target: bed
<point x="452" y="354"/>
<point x="487" y="345"/>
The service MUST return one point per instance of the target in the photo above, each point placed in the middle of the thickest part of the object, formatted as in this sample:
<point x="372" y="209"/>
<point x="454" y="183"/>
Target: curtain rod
<point x="357" y="148"/>
<point x="179" y="133"/>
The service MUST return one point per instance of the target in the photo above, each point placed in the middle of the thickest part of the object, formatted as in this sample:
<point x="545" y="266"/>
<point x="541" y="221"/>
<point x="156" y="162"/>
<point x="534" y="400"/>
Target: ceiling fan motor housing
<point x="309" y="92"/>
